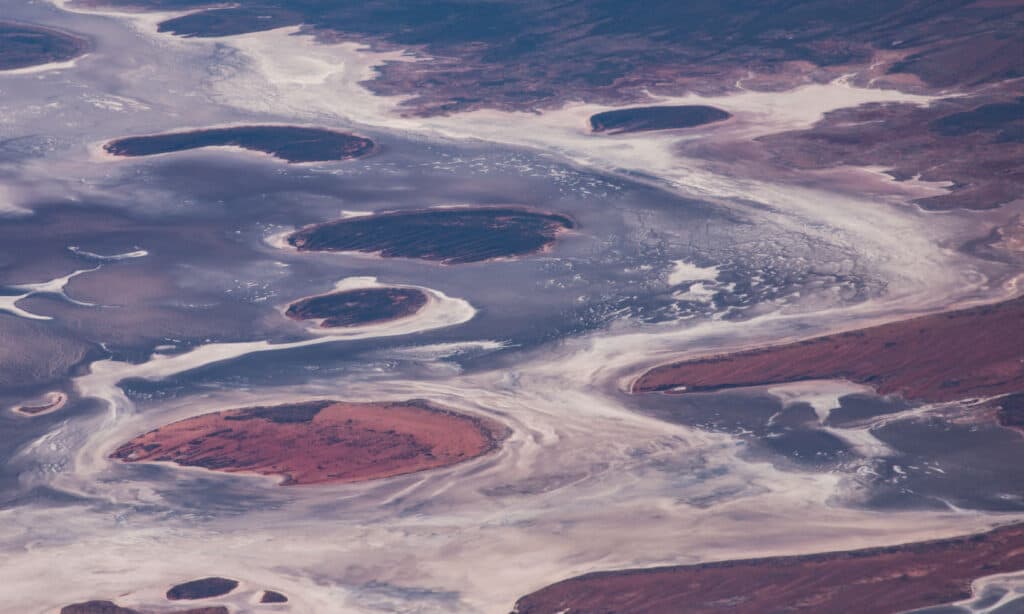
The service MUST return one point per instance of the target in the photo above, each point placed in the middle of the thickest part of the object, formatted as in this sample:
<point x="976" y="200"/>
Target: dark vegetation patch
<point x="22" y="45"/>
<point x="281" y="414"/>
<point x="96" y="607"/>
<point x="642" y="119"/>
<point x="273" y="597"/>
<point x="361" y="306"/>
<point x="109" y="607"/>
<point x="229" y="21"/>
<point x="1005" y="120"/>
<point x="202" y="588"/>
<point x="451" y="236"/>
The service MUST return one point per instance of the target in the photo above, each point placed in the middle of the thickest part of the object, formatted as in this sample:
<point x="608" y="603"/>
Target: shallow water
<point x="590" y="478"/>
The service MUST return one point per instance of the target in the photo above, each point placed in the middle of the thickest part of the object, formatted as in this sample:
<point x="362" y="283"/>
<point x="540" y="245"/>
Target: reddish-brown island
<point x="977" y="352"/>
<point x="877" y="580"/>
<point x="320" y="441"/>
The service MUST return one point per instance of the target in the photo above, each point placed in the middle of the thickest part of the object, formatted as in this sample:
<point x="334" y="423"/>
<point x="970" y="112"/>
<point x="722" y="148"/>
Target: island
<point x="975" y="352"/>
<point x="48" y="403"/>
<point x="202" y="588"/>
<point x="878" y="580"/>
<point x="358" y="307"/>
<point x="23" y="45"/>
<point x="450" y="235"/>
<point x="229" y="21"/>
<point x="273" y="597"/>
<point x="645" y="119"/>
<point x="316" y="442"/>
<point x="109" y="607"/>
<point x="293" y="144"/>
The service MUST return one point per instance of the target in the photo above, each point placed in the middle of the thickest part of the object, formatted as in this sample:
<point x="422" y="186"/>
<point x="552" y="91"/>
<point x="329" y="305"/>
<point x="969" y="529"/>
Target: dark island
<point x="290" y="143"/>
<point x="202" y="588"/>
<point x="96" y="607"/>
<point x="319" y="441"/>
<point x="645" y="119"/>
<point x="23" y="45"/>
<point x="109" y="607"/>
<point x="448" y="235"/>
<point x="358" y="307"/>
<point x="878" y="580"/>
<point x="1010" y="411"/>
<point x="273" y="597"/>
<point x="229" y="21"/>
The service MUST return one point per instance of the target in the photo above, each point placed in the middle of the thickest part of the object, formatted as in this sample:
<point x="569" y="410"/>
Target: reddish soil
<point x="975" y="352"/>
<point x="319" y="441"/>
<point x="877" y="580"/>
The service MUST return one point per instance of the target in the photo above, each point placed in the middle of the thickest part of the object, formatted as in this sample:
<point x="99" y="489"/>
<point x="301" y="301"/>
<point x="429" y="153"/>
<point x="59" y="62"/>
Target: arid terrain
<point x="317" y="442"/>
<point x="913" y="143"/>
<point x="882" y="580"/>
<point x="471" y="307"/>
<point x="977" y="352"/>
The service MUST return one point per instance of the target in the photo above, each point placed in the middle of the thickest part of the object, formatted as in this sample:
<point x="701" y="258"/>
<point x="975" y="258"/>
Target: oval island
<point x="203" y="588"/>
<point x="109" y="607"/>
<point x="358" y="307"/>
<point x="450" y="235"/>
<point x="320" y="441"/>
<point x="290" y="143"/>
<point x="646" y="119"/>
